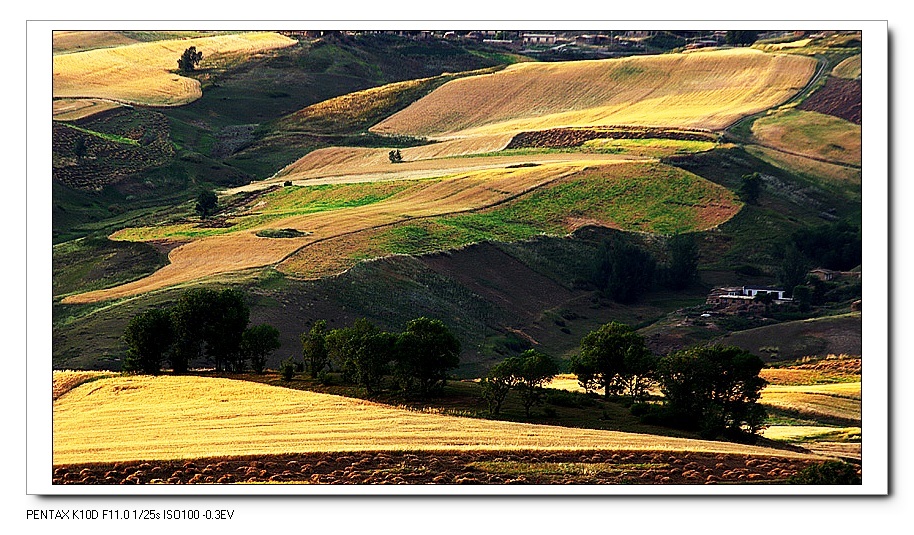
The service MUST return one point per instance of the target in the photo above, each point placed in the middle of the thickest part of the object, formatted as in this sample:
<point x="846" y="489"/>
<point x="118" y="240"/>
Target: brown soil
<point x="573" y="137"/>
<point x="840" y="98"/>
<point x="448" y="468"/>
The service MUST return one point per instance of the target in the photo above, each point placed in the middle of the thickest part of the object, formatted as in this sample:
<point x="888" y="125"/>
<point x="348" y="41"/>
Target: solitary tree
<point x="750" y="187"/>
<point x="394" y="156"/>
<point x="257" y="342"/>
<point x="425" y="352"/>
<point x="149" y="336"/>
<point x="207" y="202"/>
<point x="714" y="389"/>
<point x="190" y="59"/>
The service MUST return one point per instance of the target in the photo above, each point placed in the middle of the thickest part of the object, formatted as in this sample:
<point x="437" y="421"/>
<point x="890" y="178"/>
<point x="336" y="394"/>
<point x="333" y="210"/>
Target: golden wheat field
<point x="75" y="41"/>
<point x="840" y="400"/>
<point x="142" y="73"/>
<point x="168" y="417"/>
<point x="707" y="90"/>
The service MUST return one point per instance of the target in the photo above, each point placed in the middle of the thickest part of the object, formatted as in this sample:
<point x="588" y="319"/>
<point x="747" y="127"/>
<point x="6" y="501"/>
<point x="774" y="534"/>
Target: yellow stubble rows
<point x="140" y="73"/>
<point x="244" y="250"/>
<point x="706" y="90"/>
<point x="167" y="417"/>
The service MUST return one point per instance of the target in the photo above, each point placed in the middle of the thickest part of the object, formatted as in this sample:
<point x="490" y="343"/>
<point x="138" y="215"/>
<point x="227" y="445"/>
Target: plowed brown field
<point x="594" y="467"/>
<point x="706" y="90"/>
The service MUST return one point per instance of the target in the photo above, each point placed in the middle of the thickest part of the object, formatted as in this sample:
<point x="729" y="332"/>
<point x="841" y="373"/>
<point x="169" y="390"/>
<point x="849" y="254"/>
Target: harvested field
<point x="142" y="73"/>
<point x="840" y="97"/>
<point x="66" y="380"/>
<point x="71" y="109"/>
<point x="851" y="68"/>
<point x="595" y="467"/>
<point x="80" y="41"/>
<point x="835" y="403"/>
<point x="813" y="135"/>
<point x="122" y="419"/>
<point x="831" y="369"/>
<point x="707" y="90"/>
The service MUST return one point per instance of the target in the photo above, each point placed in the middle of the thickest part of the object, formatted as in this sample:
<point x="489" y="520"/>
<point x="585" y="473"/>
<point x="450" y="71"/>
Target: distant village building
<point x="743" y="297"/>
<point x="539" y="38"/>
<point x="830" y="274"/>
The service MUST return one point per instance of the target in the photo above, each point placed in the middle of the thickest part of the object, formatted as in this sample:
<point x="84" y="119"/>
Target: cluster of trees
<point x="203" y="325"/>
<point x="710" y="389"/>
<point x="624" y="270"/>
<point x="415" y="362"/>
<point x="189" y="59"/>
<point x="526" y="374"/>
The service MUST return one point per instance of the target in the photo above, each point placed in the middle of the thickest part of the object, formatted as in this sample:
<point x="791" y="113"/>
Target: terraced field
<point x="168" y="418"/>
<point x="143" y="73"/>
<point x="705" y="90"/>
<point x="337" y="233"/>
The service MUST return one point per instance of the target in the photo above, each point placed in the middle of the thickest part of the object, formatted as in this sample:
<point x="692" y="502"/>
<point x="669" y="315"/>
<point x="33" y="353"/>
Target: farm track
<point x="588" y="467"/>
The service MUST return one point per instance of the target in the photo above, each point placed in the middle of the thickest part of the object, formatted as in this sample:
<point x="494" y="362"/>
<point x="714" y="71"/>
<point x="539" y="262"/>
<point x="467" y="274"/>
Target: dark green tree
<point x="794" y="266"/>
<point x="287" y="369"/>
<point x="210" y="323"/>
<point x="363" y="352"/>
<point x="149" y="336"/>
<point x="682" y="269"/>
<point x="257" y="343"/>
<point x="750" y="188"/>
<point x="614" y="358"/>
<point x="624" y="270"/>
<point x="802" y="297"/>
<point x="535" y="370"/>
<point x="425" y="352"/>
<point x="190" y="59"/>
<point x="207" y="203"/>
<point x="394" y="156"/>
<point x="714" y="389"/>
<point x="740" y="37"/>
<point x="314" y="348"/>
<point x="188" y="317"/>
<point x="503" y="377"/>
<point x="228" y="318"/>
<point x="832" y="472"/>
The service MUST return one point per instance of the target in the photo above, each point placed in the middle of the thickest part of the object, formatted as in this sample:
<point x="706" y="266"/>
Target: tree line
<point x="710" y="389"/>
<point x="204" y="324"/>
<point x="414" y="362"/>
<point x="623" y="270"/>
